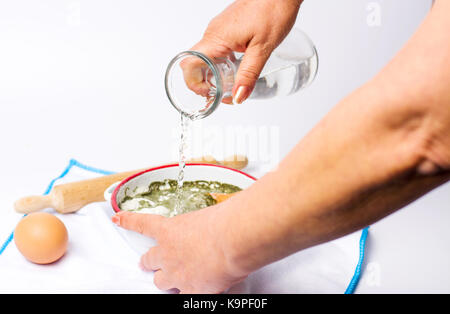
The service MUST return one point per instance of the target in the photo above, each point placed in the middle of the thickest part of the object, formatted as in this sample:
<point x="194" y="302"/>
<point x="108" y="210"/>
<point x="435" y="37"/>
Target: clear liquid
<point x="282" y="77"/>
<point x="185" y="122"/>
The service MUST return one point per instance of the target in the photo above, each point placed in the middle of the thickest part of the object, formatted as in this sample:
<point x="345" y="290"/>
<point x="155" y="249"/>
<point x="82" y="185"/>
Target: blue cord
<point x="71" y="164"/>
<point x="5" y="244"/>
<point x="356" y="276"/>
<point x="91" y="169"/>
<point x="75" y="163"/>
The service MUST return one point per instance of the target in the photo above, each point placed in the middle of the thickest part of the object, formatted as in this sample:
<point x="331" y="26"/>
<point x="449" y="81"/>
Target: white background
<point x="84" y="80"/>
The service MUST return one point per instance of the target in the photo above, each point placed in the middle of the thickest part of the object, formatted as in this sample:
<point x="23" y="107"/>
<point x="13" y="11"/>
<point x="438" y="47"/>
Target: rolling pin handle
<point x="30" y="204"/>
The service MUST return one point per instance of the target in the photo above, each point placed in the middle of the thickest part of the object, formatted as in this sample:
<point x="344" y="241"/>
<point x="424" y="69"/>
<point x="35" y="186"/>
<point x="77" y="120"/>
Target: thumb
<point x="253" y="62"/>
<point x="146" y="224"/>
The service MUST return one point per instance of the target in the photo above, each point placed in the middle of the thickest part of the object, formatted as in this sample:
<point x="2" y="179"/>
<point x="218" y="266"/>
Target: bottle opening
<point x="193" y="84"/>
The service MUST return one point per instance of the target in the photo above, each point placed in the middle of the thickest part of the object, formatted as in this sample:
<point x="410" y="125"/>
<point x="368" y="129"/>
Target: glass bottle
<point x="196" y="84"/>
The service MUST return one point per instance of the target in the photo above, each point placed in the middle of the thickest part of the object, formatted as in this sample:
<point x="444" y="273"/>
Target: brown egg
<point x="41" y="237"/>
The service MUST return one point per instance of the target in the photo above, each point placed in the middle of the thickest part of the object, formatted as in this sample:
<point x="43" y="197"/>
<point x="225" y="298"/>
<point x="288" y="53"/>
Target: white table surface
<point x="79" y="79"/>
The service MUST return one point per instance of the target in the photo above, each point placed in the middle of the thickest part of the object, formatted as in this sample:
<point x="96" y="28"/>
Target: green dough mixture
<point x="161" y="196"/>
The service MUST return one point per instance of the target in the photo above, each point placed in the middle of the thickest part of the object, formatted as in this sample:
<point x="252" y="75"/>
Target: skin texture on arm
<point x="380" y="148"/>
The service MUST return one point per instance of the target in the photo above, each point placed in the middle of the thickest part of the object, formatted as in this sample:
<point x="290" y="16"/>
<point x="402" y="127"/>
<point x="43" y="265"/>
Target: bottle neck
<point x="226" y="69"/>
<point x="196" y="84"/>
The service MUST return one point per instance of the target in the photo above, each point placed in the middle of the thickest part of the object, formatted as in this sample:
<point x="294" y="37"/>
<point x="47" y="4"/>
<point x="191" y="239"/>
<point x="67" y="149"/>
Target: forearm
<point x="358" y="165"/>
<point x="335" y="181"/>
<point x="269" y="235"/>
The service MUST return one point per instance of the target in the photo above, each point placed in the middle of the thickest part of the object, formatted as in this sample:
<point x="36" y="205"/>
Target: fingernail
<point x="116" y="219"/>
<point x="241" y="94"/>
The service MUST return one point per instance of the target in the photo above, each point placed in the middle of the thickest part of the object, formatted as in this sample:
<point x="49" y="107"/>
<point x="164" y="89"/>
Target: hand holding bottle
<point x="253" y="27"/>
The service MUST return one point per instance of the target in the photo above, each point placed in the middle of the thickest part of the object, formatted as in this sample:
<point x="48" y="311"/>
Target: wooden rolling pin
<point x="235" y="161"/>
<point x="70" y="197"/>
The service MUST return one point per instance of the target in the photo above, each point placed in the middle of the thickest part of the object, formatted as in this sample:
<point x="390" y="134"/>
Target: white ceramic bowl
<point x="194" y="171"/>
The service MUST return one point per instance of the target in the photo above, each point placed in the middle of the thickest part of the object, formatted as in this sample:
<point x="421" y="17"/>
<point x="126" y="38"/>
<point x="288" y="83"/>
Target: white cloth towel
<point x="100" y="260"/>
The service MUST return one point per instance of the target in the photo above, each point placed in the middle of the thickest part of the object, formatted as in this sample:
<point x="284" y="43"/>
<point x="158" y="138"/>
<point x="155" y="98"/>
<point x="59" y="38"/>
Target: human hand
<point x="190" y="254"/>
<point x="253" y="27"/>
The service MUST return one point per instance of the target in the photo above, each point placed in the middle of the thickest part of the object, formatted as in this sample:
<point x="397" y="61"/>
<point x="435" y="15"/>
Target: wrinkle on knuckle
<point x="161" y="226"/>
<point x="140" y="226"/>
<point x="249" y="72"/>
<point x="212" y="38"/>
<point x="265" y="49"/>
<point x="434" y="146"/>
<point x="127" y="220"/>
<point x="159" y="280"/>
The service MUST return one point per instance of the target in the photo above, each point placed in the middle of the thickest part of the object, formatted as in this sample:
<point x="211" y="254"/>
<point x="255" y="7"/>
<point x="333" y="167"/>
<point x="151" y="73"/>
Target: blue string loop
<point x="356" y="276"/>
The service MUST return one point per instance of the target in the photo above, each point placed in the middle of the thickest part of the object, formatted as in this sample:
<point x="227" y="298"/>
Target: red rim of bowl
<point x="116" y="190"/>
